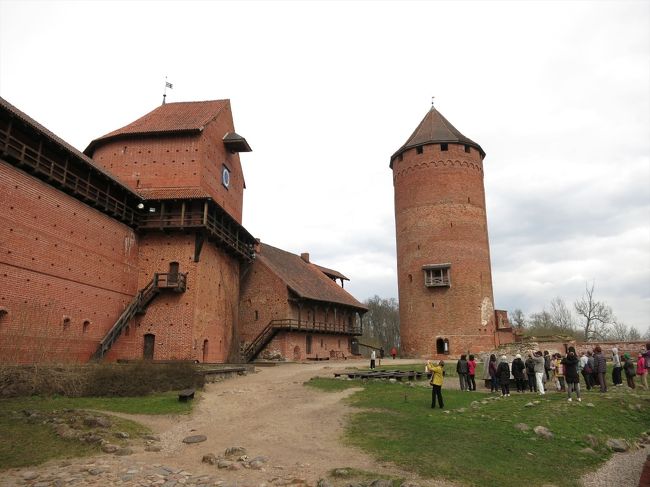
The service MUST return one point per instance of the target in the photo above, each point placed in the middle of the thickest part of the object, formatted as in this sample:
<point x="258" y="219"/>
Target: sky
<point x="556" y="93"/>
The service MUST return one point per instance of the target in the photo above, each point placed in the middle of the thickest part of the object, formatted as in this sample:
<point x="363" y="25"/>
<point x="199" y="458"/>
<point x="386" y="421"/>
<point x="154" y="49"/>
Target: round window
<point x="225" y="177"/>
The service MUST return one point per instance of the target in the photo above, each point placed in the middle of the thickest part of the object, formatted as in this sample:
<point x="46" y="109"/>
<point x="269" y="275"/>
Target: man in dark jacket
<point x="503" y="372"/>
<point x="600" y="368"/>
<point x="570" y="363"/>
<point x="518" y="372"/>
<point x="530" y="372"/>
<point x="463" y="370"/>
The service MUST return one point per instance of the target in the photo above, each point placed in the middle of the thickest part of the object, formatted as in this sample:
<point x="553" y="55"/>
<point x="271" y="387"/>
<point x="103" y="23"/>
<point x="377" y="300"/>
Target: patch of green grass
<point x="480" y="446"/>
<point x="329" y="385"/>
<point x="349" y="475"/>
<point x="31" y="441"/>
<point x="163" y="403"/>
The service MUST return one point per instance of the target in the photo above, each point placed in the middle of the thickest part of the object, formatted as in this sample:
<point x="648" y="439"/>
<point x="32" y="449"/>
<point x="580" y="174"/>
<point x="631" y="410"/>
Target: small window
<point x="437" y="275"/>
<point x="419" y="149"/>
<point x="225" y="176"/>
<point x="444" y="147"/>
<point x="467" y="149"/>
<point x="66" y="321"/>
<point x="400" y="157"/>
<point x="86" y="325"/>
<point x="257" y="315"/>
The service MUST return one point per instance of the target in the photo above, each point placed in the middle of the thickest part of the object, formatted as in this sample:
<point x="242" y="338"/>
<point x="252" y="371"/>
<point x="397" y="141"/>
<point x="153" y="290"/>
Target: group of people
<point x="541" y="368"/>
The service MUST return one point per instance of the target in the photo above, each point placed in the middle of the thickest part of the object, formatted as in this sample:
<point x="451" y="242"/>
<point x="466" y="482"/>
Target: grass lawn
<point x="480" y="445"/>
<point x="29" y="440"/>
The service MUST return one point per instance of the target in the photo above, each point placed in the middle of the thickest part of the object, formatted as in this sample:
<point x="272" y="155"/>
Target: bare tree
<point x="597" y="315"/>
<point x="561" y="315"/>
<point x="518" y="318"/>
<point x="633" y="334"/>
<point x="646" y="336"/>
<point x="381" y="322"/>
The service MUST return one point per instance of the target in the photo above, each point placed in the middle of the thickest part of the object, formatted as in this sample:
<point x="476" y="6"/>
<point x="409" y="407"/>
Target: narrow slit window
<point x="444" y="147"/>
<point x="419" y="149"/>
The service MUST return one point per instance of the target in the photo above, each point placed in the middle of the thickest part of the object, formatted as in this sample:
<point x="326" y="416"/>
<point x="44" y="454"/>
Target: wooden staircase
<point x="173" y="281"/>
<point x="266" y="335"/>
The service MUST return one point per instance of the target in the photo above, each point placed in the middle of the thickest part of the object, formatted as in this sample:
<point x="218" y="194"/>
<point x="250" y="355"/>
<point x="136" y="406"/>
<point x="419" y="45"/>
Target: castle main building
<point x="443" y="252"/>
<point x="135" y="249"/>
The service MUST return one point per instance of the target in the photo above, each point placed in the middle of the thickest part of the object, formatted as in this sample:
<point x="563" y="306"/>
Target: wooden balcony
<point x="316" y="327"/>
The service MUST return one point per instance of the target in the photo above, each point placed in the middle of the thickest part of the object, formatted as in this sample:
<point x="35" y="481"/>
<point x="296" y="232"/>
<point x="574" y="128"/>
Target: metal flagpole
<point x="167" y="85"/>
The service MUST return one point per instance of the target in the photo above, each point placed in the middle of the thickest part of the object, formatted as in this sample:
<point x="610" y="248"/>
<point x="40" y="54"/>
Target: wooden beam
<point x="199" y="239"/>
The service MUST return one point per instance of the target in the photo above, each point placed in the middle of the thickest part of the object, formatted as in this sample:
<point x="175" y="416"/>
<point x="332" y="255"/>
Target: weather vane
<point x="167" y="85"/>
<point x="432" y="100"/>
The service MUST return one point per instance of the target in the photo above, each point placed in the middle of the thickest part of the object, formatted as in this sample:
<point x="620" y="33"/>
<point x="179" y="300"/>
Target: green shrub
<point x="133" y="379"/>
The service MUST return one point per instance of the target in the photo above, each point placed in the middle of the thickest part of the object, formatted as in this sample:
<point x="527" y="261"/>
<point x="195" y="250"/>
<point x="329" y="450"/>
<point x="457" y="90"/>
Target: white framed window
<point x="225" y="176"/>
<point x="437" y="275"/>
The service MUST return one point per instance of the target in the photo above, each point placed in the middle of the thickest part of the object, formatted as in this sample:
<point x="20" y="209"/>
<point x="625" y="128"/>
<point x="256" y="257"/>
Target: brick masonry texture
<point x="66" y="272"/>
<point x="440" y="218"/>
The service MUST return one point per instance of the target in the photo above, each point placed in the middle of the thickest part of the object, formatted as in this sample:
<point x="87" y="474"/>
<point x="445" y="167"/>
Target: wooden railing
<point x="48" y="169"/>
<point x="172" y="281"/>
<point x="220" y="230"/>
<point x="274" y="326"/>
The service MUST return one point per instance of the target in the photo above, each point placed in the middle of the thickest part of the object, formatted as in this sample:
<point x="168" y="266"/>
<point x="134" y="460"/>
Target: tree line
<point x="588" y="319"/>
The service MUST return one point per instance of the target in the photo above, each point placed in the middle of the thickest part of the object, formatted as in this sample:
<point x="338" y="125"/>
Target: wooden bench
<point x="186" y="394"/>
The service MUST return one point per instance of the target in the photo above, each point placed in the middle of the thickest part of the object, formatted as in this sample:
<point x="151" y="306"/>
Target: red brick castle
<point x="135" y="249"/>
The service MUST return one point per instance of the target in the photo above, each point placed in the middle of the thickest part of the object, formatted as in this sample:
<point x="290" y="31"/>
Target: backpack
<point x="530" y="367"/>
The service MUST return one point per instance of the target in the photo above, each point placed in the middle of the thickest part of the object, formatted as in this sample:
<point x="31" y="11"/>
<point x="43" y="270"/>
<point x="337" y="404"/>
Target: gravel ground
<point x="621" y="469"/>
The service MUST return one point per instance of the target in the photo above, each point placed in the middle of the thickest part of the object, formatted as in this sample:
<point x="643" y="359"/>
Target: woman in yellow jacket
<point x="437" y="376"/>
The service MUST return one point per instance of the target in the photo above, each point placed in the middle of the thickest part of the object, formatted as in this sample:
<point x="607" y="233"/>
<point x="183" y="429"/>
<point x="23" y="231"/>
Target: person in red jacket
<point x="393" y="352"/>
<point x="471" y="363"/>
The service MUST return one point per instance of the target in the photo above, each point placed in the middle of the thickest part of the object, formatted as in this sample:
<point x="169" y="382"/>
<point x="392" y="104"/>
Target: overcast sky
<point x="556" y="93"/>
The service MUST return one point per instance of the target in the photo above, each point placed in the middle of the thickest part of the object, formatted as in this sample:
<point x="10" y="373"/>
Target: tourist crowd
<point x="542" y="371"/>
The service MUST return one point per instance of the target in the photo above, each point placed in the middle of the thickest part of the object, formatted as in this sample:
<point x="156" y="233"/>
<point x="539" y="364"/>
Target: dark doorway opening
<point x="149" y="342"/>
<point x="308" y="344"/>
<point x="205" y="350"/>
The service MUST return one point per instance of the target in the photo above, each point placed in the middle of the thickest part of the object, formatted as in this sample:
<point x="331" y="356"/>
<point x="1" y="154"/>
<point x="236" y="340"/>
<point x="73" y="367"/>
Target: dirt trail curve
<point x="270" y="413"/>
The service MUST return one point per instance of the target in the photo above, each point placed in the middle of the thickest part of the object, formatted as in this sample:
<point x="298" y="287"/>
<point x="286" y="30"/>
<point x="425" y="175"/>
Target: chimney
<point x="305" y="256"/>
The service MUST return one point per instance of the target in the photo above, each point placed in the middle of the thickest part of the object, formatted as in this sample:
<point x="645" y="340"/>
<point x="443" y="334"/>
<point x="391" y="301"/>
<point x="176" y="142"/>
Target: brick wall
<point x="182" y="322"/>
<point x="264" y="297"/>
<point x="440" y="218"/>
<point x="66" y="272"/>
<point x="293" y="346"/>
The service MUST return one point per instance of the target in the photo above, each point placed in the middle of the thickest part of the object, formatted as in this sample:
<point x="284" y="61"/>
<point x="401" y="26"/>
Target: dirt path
<point x="270" y="413"/>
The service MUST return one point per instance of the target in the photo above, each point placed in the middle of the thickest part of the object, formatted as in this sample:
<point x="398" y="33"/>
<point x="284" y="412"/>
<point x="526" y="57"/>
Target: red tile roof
<point x="435" y="129"/>
<point x="305" y="279"/>
<point x="191" y="116"/>
<point x="173" y="193"/>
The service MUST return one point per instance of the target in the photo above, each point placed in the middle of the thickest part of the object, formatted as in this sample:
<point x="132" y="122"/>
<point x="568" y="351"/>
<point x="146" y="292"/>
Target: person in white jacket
<point x="373" y="357"/>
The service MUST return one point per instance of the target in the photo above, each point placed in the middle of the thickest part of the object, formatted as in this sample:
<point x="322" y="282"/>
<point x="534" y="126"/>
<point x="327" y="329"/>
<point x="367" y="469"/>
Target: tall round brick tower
<point x="443" y="253"/>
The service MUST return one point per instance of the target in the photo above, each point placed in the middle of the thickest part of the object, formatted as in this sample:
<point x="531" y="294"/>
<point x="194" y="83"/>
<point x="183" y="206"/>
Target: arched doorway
<point x="149" y="343"/>
<point x="205" y="350"/>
